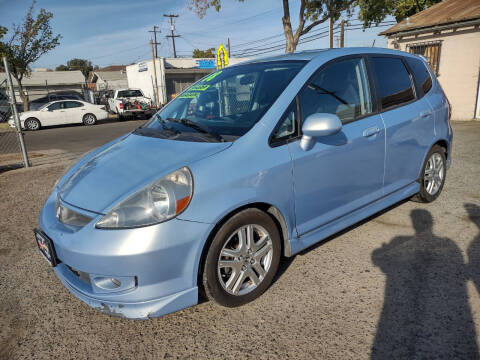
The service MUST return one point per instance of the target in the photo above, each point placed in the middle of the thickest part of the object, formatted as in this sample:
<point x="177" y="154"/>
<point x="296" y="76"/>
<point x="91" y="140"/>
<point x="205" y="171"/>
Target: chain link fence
<point x="11" y="140"/>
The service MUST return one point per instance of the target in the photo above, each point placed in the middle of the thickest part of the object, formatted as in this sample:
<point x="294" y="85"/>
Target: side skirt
<point x="300" y="243"/>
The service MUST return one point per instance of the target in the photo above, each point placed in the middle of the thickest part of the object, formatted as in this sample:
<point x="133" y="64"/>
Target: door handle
<point x="371" y="131"/>
<point x="425" y="114"/>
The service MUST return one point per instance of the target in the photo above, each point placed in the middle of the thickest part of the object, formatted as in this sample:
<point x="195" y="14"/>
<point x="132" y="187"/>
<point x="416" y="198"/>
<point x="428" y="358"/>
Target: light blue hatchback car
<point x="253" y="162"/>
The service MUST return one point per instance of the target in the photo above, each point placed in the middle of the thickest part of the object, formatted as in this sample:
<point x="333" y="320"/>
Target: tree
<point x="209" y="53"/>
<point x="62" y="68"/>
<point x="311" y="14"/>
<point x="84" y="66"/>
<point x="29" y="41"/>
<point x="375" y="11"/>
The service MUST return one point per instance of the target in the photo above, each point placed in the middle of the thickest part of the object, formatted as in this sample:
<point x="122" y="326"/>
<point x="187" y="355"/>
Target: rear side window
<point x="393" y="81"/>
<point x="72" y="104"/>
<point x="422" y="77"/>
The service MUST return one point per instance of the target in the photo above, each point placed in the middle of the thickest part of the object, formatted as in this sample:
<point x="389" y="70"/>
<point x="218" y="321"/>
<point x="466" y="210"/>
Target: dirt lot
<point x="386" y="288"/>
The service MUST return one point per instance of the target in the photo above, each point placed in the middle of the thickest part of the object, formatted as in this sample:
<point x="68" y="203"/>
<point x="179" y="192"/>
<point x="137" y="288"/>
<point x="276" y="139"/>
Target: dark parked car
<point x="37" y="103"/>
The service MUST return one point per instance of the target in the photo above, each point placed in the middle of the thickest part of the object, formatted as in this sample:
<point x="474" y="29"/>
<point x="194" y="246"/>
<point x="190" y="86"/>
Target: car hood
<point x="127" y="166"/>
<point x="27" y="114"/>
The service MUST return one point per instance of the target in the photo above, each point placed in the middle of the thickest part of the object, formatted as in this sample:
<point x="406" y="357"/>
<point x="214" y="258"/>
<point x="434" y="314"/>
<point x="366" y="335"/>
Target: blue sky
<point x="116" y="32"/>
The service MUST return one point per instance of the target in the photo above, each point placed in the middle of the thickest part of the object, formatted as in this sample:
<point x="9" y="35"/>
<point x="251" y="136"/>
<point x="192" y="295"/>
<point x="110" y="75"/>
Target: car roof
<point x="308" y="55"/>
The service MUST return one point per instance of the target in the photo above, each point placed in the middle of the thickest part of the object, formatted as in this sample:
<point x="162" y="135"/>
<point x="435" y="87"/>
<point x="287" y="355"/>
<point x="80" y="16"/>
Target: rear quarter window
<point x="422" y="77"/>
<point x="393" y="80"/>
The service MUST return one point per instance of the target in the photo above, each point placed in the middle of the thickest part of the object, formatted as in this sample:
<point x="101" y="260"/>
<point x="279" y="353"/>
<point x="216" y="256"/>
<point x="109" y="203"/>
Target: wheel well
<point x="444" y="145"/>
<point x="32" y="118"/>
<point x="271" y="210"/>
<point x="89" y="114"/>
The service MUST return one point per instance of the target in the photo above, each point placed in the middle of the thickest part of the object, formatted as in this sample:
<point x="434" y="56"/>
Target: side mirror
<point x="318" y="125"/>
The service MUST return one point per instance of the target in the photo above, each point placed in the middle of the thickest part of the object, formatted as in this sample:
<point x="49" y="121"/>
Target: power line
<point x="172" y="29"/>
<point x="314" y="36"/>
<point x="154" y="31"/>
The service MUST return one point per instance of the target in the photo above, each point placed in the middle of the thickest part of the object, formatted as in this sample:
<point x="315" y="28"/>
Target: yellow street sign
<point x="222" y="57"/>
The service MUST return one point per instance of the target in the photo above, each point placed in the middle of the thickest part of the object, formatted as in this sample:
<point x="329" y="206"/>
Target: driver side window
<point x="55" y="106"/>
<point x="341" y="88"/>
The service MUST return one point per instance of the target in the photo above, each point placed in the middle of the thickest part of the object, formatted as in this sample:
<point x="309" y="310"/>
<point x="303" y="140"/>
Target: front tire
<point x="32" y="124"/>
<point x="89" y="119"/>
<point x="433" y="176"/>
<point x="242" y="259"/>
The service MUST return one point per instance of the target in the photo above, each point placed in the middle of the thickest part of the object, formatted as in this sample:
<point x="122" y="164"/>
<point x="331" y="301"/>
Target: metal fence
<point x="12" y="148"/>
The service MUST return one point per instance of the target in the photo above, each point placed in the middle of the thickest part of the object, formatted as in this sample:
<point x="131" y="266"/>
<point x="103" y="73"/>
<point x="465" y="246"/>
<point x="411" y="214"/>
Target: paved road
<point x="402" y="285"/>
<point x="78" y="138"/>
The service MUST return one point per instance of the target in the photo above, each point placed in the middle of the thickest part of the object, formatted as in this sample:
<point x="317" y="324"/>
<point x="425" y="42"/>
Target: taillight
<point x="103" y="108"/>
<point x="138" y="106"/>
<point x="121" y="105"/>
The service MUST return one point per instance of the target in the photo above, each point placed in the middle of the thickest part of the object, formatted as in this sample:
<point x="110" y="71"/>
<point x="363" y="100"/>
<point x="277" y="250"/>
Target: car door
<point x="342" y="172"/>
<point x="408" y="119"/>
<point x="53" y="114"/>
<point x="74" y="111"/>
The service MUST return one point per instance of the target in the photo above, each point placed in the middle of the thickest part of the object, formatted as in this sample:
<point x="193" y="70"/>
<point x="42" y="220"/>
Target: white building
<point x="173" y="75"/>
<point x="109" y="80"/>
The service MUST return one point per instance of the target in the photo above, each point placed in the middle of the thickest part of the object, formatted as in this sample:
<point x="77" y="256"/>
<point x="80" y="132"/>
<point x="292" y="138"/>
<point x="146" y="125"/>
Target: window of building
<point x="421" y="74"/>
<point x="431" y="51"/>
<point x="393" y="81"/>
<point x="341" y="88"/>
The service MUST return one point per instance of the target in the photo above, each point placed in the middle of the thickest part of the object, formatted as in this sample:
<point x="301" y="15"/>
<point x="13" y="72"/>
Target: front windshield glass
<point x="129" y="93"/>
<point x="228" y="102"/>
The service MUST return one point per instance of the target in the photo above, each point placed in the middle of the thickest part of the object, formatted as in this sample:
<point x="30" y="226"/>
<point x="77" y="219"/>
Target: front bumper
<point x="162" y="258"/>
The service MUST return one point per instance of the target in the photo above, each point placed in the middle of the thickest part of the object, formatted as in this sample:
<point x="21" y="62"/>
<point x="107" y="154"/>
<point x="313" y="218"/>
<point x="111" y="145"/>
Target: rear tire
<point x="433" y="176"/>
<point x="242" y="259"/>
<point x="32" y="124"/>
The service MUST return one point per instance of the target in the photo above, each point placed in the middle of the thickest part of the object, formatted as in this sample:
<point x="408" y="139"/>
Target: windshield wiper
<point x="197" y="127"/>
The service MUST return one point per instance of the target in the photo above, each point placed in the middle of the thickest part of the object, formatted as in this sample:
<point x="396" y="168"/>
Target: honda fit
<point x="253" y="162"/>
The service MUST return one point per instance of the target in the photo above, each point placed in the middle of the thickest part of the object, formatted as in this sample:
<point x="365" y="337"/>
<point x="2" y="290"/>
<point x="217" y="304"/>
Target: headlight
<point x="158" y="202"/>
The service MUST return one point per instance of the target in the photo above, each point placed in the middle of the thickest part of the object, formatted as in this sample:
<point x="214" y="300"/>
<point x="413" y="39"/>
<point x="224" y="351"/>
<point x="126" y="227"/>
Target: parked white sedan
<point x="62" y="112"/>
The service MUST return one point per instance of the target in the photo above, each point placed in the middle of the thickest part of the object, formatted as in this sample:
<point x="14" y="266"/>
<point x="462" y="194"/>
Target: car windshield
<point x="129" y="93"/>
<point x="228" y="102"/>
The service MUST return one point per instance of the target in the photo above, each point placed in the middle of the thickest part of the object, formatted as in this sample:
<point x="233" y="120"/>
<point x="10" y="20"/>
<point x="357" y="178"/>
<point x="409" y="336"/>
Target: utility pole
<point x="228" y="47"/>
<point x="331" y="32"/>
<point x="342" y="33"/>
<point x="172" y="29"/>
<point x="154" y="31"/>
<point x="154" y="59"/>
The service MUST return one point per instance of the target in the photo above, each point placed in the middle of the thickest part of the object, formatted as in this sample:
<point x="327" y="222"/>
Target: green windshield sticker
<point x="213" y="76"/>
<point x="199" y="88"/>
<point x="189" y="95"/>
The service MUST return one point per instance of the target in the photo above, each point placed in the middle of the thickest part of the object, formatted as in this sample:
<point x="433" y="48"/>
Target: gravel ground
<point x="388" y="287"/>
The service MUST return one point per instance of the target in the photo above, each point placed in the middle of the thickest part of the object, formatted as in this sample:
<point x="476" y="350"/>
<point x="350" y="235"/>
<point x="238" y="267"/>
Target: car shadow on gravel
<point x="426" y="311"/>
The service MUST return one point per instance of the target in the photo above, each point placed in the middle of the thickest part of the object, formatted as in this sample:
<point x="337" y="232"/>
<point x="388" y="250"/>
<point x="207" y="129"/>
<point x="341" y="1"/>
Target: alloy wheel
<point x="434" y="174"/>
<point x="89" y="119"/>
<point x="245" y="259"/>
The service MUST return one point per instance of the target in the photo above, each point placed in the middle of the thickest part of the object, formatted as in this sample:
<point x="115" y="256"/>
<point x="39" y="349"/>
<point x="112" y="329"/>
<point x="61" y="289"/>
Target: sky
<point x="116" y="32"/>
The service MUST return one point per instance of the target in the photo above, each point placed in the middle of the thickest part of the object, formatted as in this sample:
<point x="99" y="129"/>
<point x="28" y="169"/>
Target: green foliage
<point x="375" y="11"/>
<point x="62" y="68"/>
<point x="3" y="31"/>
<point x="209" y="53"/>
<point x="85" y="66"/>
<point x="29" y="41"/>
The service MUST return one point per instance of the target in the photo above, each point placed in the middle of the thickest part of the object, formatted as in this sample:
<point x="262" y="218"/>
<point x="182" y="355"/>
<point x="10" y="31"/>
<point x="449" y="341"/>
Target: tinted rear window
<point x="393" y="81"/>
<point x="421" y="74"/>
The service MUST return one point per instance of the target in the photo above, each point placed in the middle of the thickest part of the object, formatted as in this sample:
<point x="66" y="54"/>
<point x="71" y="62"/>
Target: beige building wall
<point x="459" y="66"/>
